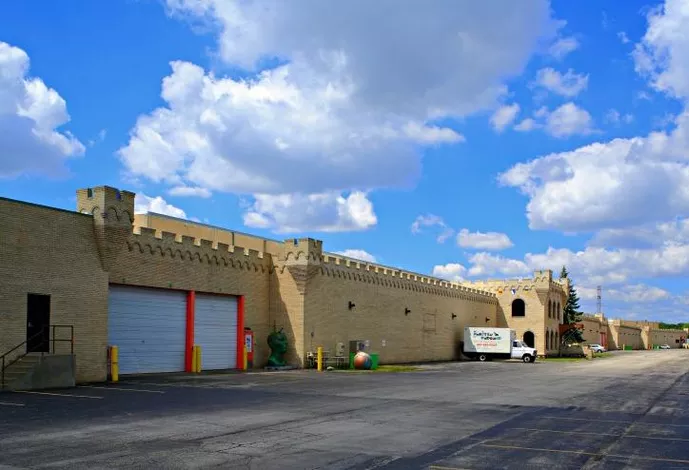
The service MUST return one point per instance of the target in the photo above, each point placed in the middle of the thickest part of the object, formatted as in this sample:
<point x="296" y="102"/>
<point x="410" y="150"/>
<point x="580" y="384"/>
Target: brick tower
<point x="113" y="216"/>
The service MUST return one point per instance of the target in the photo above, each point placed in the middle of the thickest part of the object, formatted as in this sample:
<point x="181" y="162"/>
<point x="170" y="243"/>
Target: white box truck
<point x="496" y="343"/>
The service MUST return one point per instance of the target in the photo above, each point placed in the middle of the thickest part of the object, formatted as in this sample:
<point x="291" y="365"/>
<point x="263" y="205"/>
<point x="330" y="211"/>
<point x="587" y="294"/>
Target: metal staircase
<point x="16" y="365"/>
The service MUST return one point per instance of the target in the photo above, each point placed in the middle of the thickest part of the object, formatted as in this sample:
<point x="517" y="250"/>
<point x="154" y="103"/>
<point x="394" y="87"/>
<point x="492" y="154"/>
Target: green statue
<point x="277" y="341"/>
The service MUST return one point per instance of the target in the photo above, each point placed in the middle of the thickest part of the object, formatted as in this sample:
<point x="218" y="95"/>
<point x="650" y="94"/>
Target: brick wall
<point x="381" y="298"/>
<point x="49" y="251"/>
<point x="669" y="337"/>
<point x="624" y="336"/>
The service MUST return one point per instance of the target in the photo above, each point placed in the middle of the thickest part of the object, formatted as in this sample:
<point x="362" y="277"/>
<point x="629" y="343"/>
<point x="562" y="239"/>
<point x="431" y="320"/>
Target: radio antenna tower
<point x="599" y="300"/>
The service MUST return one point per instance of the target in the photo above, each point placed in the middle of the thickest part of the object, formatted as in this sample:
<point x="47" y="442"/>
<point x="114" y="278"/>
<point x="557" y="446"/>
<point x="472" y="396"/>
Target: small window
<point x="89" y="193"/>
<point x="118" y="195"/>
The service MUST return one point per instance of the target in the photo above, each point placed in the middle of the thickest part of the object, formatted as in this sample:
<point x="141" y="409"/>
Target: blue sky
<point x="444" y="138"/>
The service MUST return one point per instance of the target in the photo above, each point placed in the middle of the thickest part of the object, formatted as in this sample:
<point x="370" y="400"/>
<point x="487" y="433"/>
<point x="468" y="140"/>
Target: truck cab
<point x="523" y="352"/>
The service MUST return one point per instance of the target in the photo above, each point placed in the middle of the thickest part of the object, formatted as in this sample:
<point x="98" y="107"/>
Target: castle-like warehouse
<point x="155" y="286"/>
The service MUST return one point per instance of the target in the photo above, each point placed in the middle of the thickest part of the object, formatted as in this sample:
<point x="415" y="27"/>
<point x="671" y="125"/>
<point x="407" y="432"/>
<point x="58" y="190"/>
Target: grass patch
<point x="382" y="369"/>
<point x="575" y="359"/>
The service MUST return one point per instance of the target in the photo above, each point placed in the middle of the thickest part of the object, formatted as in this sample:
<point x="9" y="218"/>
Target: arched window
<point x="553" y="343"/>
<point x="547" y="340"/>
<point x="518" y="308"/>
<point x="558" y="310"/>
<point x="550" y="309"/>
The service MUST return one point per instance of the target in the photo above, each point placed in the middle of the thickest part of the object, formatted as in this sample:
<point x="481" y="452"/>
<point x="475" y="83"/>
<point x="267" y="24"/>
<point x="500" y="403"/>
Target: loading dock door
<point x="215" y="330"/>
<point x="149" y="328"/>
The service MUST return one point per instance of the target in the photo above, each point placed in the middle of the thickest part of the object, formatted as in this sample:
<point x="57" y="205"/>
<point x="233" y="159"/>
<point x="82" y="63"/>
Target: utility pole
<point x="599" y="300"/>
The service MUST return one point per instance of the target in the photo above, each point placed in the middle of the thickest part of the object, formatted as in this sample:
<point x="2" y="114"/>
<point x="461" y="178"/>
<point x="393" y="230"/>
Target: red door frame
<point x="189" y="339"/>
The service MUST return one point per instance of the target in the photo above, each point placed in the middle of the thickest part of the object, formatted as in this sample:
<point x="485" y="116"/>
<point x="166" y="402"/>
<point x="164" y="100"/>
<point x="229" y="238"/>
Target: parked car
<point x="597" y="348"/>
<point x="665" y="346"/>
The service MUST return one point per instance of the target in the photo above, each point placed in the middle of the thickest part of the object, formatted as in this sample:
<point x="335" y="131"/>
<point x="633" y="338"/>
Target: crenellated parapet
<point x="349" y="269"/>
<point x="542" y="283"/>
<point x="196" y="250"/>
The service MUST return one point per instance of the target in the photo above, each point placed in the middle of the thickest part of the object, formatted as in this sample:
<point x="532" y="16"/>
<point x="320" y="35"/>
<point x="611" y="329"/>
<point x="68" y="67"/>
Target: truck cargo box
<point x="488" y="340"/>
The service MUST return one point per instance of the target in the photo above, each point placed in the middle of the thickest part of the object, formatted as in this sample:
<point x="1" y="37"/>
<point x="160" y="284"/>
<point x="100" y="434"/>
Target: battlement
<point x="302" y="250"/>
<point x="109" y="203"/>
<point x="333" y="264"/>
<point x="148" y="240"/>
<point x="542" y="279"/>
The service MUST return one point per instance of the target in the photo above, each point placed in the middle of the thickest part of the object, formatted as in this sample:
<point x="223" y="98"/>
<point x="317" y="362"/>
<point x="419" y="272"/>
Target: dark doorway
<point x="38" y="323"/>
<point x="529" y="339"/>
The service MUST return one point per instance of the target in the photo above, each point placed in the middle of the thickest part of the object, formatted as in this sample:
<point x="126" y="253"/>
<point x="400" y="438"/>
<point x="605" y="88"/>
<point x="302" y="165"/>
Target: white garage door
<point x="215" y="330"/>
<point x="149" y="328"/>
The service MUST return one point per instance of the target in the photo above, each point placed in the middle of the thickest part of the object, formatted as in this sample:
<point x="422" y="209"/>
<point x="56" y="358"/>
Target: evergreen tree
<point x="571" y="313"/>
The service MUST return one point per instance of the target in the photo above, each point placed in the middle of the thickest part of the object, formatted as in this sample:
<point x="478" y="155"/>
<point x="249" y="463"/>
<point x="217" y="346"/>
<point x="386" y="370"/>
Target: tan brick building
<point x="155" y="286"/>
<point x="533" y="307"/>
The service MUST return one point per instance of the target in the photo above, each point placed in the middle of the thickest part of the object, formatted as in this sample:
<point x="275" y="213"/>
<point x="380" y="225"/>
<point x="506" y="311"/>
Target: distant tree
<point x="571" y="314"/>
<point x="673" y="326"/>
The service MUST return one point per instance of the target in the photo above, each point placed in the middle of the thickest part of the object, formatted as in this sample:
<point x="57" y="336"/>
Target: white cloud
<point x="564" y="121"/>
<point x="431" y="220"/>
<point x="662" y="55"/>
<point x="491" y="241"/>
<point x="623" y="37"/>
<point x="675" y="232"/>
<point x="362" y="255"/>
<point x="430" y="135"/>
<point x="568" y="120"/>
<point x="144" y="204"/>
<point x="487" y="264"/>
<point x="454" y="272"/>
<point x="631" y="293"/>
<point x="324" y="212"/>
<point x="613" y="116"/>
<point x="591" y="266"/>
<point x="569" y="84"/>
<point x="527" y="125"/>
<point x="99" y="138"/>
<point x="504" y="116"/>
<point x="190" y="191"/>
<point x="563" y="47"/>
<point x="339" y="104"/>
<point x="30" y="114"/>
<point x="637" y="180"/>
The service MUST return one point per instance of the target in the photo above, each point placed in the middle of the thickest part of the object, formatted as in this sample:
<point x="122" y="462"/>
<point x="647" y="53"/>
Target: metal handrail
<point x="52" y="340"/>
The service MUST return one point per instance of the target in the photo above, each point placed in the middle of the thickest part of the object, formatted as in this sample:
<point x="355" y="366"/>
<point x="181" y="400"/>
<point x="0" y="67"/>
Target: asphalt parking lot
<point x="627" y="411"/>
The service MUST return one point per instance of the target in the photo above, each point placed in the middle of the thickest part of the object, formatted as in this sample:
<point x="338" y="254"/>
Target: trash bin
<point x="374" y="360"/>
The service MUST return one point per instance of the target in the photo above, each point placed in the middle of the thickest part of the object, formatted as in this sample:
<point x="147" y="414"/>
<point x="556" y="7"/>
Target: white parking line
<point x="123" y="389"/>
<point x="59" y="394"/>
<point x="633" y="423"/>
<point x="5" y="403"/>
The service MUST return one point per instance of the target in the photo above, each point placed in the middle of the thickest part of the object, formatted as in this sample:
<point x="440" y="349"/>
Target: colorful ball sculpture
<point x="362" y="361"/>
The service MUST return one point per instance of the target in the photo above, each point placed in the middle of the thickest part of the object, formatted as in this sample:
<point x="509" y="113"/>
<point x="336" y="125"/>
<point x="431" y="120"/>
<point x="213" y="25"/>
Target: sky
<point x="464" y="140"/>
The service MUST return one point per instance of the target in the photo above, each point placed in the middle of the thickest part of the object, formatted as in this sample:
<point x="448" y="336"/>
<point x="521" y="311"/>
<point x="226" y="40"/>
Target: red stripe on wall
<point x="191" y="302"/>
<point x="240" y="332"/>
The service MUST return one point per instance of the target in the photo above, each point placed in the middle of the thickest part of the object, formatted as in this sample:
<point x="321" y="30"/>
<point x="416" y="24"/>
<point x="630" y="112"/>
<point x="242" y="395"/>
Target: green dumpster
<point x="374" y="360"/>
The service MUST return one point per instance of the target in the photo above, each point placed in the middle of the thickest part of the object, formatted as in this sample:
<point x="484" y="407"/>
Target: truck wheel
<point x="482" y="358"/>
<point x="526" y="358"/>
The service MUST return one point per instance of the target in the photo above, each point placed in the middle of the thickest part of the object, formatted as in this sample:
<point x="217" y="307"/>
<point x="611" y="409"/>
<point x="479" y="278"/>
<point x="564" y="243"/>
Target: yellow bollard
<point x="198" y="358"/>
<point x="193" y="358"/>
<point x="246" y="359"/>
<point x="320" y="358"/>
<point x="114" y="364"/>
